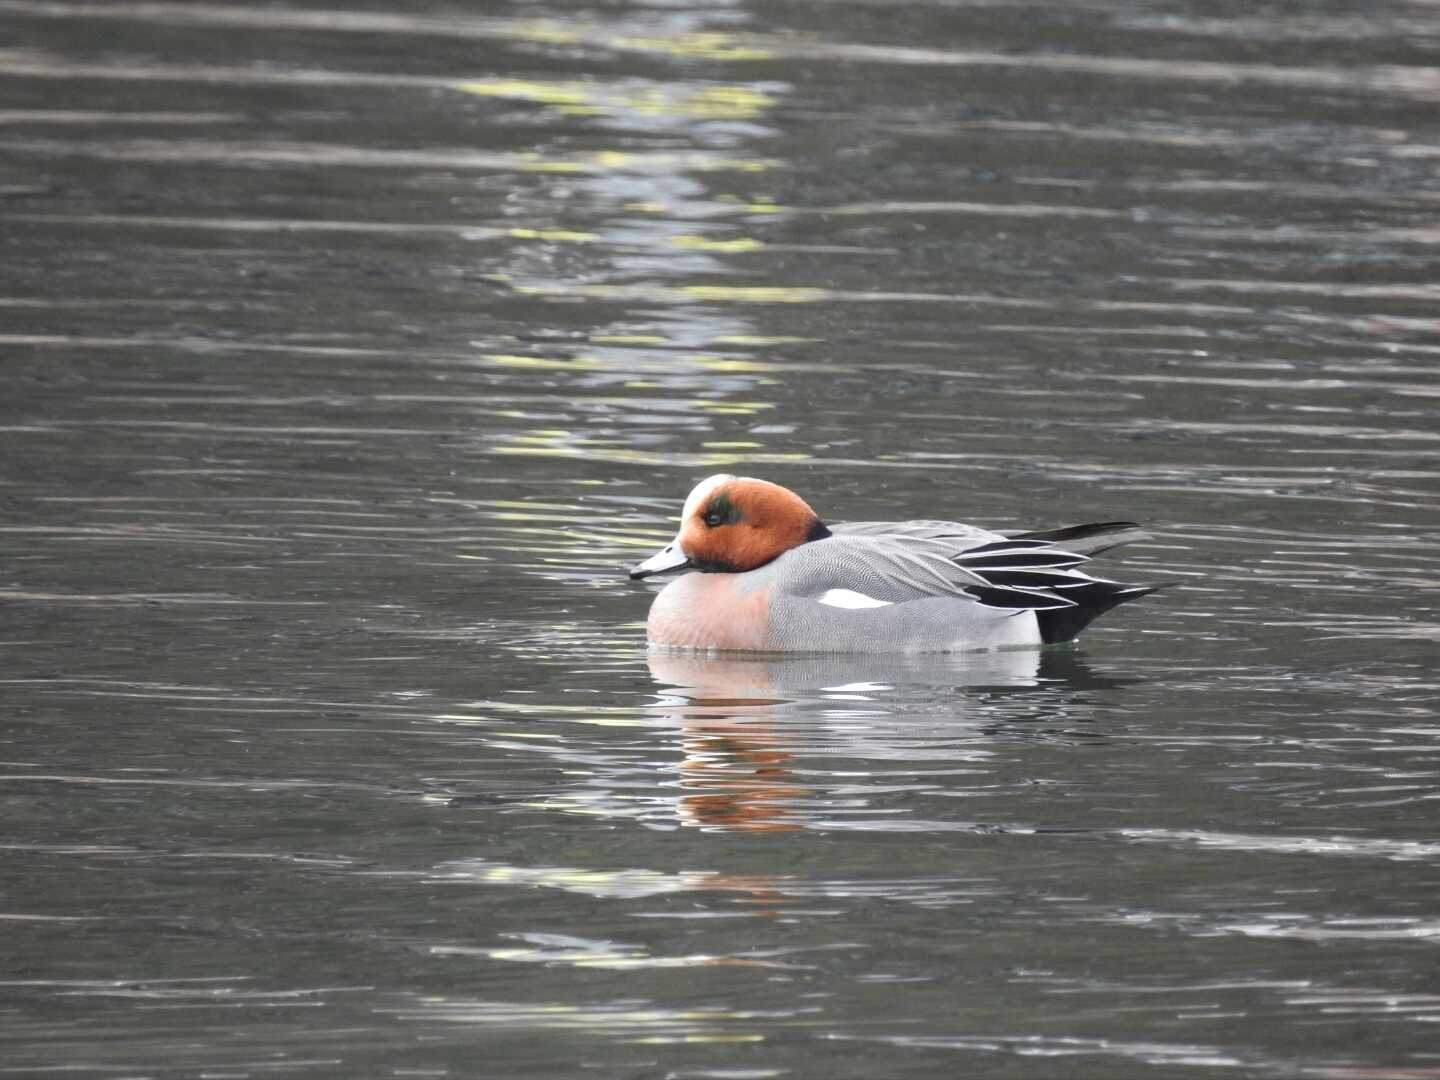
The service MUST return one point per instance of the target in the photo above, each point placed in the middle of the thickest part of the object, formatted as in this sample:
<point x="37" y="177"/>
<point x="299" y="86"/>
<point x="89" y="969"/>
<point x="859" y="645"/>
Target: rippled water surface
<point x="351" y="352"/>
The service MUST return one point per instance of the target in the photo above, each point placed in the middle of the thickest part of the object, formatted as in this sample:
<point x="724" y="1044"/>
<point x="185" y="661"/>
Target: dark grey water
<point x="350" y="354"/>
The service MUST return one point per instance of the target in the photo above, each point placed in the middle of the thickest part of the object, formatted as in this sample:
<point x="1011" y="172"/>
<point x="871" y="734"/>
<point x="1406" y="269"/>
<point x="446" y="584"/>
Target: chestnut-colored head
<point x="731" y="524"/>
<point x="735" y="523"/>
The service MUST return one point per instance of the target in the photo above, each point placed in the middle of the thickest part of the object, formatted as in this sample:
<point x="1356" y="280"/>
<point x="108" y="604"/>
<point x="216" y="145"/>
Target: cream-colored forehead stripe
<point x="702" y="491"/>
<point x="849" y="598"/>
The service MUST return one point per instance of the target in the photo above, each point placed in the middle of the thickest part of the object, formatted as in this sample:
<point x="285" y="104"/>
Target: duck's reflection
<point x="736" y="771"/>
<point x="744" y="719"/>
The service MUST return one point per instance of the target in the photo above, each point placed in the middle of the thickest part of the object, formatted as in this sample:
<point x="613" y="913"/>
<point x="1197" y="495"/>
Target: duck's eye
<point x="720" y="511"/>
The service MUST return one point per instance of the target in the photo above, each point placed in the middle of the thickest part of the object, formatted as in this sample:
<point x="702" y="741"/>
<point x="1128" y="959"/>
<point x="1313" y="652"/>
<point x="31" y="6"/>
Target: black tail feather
<point x="1088" y="539"/>
<point x="1091" y="601"/>
<point x="1018" y="599"/>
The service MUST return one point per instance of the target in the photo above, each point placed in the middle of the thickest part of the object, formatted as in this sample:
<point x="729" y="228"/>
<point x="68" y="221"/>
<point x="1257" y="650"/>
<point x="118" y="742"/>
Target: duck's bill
<point x="670" y="557"/>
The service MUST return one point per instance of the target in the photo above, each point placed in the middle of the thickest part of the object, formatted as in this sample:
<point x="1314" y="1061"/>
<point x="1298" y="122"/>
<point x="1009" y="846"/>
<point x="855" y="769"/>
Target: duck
<point x="760" y="572"/>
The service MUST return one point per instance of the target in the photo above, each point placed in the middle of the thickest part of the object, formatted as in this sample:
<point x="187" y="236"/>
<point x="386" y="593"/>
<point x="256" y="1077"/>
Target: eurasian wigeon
<point x="772" y="577"/>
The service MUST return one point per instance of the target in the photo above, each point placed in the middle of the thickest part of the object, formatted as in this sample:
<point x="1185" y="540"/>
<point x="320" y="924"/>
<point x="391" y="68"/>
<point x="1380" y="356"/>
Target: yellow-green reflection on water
<point x="577" y="98"/>
<point x="732" y="247"/>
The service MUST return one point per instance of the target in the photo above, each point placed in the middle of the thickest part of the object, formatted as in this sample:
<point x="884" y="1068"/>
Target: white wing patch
<point x="848" y="598"/>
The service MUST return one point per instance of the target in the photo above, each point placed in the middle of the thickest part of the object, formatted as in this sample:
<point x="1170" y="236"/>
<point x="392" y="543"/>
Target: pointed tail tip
<point x="1065" y="625"/>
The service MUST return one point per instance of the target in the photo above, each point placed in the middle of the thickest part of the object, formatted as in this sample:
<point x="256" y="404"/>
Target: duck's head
<point x="731" y="524"/>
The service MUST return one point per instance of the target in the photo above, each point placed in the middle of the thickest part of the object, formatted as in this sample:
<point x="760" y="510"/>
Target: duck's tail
<point x="1094" y="598"/>
<point x="1091" y="601"/>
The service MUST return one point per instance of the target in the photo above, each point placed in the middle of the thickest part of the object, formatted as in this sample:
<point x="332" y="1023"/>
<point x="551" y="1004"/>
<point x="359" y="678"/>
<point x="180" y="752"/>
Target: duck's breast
<point x="712" y="611"/>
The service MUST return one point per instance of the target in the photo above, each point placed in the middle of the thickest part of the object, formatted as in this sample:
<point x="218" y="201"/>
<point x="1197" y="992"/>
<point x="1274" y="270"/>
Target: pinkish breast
<point x="710" y="611"/>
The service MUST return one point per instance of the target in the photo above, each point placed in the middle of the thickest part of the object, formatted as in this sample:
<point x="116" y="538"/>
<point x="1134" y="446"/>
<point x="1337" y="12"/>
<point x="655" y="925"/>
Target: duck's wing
<point x="859" y="567"/>
<point x="1088" y="539"/>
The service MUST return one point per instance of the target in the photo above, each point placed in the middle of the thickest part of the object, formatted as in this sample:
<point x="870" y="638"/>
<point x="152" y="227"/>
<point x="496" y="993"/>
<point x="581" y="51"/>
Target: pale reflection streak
<point x="1328" y="846"/>
<point x="631" y="1021"/>
<point x="1426" y="293"/>
<point x="1313" y="236"/>
<point x="52" y="303"/>
<point x="220" y="698"/>
<point x="97" y="118"/>
<point x="289" y="225"/>
<point x="980" y="209"/>
<point x="678" y="295"/>
<point x="197" y="987"/>
<point x="1316" y="25"/>
<point x="630" y="35"/>
<point x="1298" y="383"/>
<point x="1399" y="80"/>
<point x="1292" y="190"/>
<point x="212" y="992"/>
<point x="132" y="854"/>
<point x="168" y="599"/>
<point x="570" y="951"/>
<point x="743" y="895"/>
<point x="460" y="230"/>
<point x="333" y="155"/>
<point x="1041" y="1046"/>
<point x="621" y="884"/>
<point x="39" y="64"/>
<point x="1176" y="135"/>
<point x="1294" y="927"/>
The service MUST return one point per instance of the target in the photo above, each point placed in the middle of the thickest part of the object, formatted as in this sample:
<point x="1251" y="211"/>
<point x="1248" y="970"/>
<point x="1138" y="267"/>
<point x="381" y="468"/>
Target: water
<point x="351" y="354"/>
